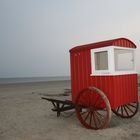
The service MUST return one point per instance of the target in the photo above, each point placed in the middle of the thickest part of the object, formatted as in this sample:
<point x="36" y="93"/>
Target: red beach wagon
<point x="103" y="78"/>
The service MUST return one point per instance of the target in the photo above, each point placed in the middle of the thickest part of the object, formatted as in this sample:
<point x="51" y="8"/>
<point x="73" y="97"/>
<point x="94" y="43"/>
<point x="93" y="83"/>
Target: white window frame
<point x="111" y="62"/>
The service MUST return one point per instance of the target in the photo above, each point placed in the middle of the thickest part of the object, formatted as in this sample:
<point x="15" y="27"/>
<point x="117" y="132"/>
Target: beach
<point x="25" y="116"/>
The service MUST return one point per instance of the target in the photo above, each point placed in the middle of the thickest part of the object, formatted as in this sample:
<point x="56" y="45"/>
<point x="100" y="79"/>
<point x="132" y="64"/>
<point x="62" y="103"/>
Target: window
<point x="101" y="60"/>
<point x="124" y="59"/>
<point x="112" y="60"/>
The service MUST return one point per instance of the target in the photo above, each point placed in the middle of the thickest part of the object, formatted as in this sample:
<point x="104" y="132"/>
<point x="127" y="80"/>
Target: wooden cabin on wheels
<point x="103" y="79"/>
<point x="104" y="70"/>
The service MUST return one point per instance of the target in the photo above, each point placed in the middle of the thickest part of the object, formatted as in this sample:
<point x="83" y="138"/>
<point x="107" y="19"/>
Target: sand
<point x="25" y="116"/>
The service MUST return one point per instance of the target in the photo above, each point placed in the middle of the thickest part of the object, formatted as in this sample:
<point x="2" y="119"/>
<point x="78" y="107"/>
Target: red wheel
<point x="127" y="110"/>
<point x="93" y="108"/>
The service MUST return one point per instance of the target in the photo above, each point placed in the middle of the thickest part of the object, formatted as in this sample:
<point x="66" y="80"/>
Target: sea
<point x="32" y="79"/>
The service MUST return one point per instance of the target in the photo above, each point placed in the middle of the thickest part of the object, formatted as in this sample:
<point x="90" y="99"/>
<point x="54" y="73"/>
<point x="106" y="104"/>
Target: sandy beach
<point x="25" y="116"/>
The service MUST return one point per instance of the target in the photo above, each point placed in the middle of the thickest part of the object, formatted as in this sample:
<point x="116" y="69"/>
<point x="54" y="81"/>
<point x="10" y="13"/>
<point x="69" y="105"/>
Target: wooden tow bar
<point x="60" y="105"/>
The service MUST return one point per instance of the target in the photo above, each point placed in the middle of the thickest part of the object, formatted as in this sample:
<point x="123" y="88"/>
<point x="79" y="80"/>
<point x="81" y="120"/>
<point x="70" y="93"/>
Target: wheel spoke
<point x="129" y="109"/>
<point x="132" y="105"/>
<point x="99" y="114"/>
<point x="94" y="120"/>
<point x="118" y="109"/>
<point x="126" y="111"/>
<point x="98" y="118"/>
<point x="90" y="118"/>
<point x="122" y="110"/>
<point x="86" y="116"/>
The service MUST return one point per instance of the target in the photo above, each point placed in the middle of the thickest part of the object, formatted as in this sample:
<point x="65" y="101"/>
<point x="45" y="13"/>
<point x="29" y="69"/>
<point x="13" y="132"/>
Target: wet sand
<point x="25" y="116"/>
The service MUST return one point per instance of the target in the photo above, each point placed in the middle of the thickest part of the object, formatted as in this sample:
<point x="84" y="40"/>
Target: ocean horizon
<point x="37" y="79"/>
<point x="32" y="79"/>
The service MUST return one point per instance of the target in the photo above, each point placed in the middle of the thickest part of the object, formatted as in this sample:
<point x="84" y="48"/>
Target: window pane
<point x="124" y="59"/>
<point x="101" y="60"/>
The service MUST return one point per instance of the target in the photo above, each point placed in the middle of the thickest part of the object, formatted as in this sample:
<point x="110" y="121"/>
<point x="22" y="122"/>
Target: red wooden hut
<point x="103" y="78"/>
<point x="109" y="66"/>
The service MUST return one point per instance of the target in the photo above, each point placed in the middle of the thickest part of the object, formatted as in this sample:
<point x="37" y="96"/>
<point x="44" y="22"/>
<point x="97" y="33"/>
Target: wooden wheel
<point x="93" y="108"/>
<point x="127" y="110"/>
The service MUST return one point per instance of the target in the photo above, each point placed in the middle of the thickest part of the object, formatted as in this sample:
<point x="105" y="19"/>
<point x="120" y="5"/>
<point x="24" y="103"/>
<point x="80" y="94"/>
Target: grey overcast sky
<point x="36" y="35"/>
